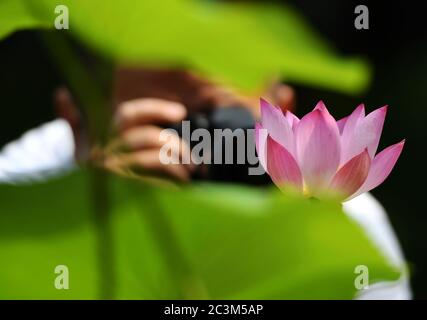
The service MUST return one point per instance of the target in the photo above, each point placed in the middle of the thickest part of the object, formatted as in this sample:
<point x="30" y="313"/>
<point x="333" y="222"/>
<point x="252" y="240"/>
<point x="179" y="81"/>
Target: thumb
<point x="283" y="96"/>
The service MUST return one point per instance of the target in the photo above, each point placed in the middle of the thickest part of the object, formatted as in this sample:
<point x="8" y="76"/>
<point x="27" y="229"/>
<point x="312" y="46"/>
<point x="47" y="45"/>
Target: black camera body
<point x="229" y="128"/>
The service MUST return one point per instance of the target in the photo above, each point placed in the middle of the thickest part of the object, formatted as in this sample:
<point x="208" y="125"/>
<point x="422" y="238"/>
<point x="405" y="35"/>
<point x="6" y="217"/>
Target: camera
<point x="224" y="139"/>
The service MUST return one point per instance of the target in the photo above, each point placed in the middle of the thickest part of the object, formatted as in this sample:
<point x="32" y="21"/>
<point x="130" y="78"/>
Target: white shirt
<point x="39" y="154"/>
<point x="49" y="150"/>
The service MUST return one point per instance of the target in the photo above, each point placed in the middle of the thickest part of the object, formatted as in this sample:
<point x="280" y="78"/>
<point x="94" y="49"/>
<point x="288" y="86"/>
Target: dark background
<point x="396" y="46"/>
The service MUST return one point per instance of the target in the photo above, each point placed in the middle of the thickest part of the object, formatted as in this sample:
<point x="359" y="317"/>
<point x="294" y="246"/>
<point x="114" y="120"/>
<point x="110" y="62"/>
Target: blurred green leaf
<point x="15" y="15"/>
<point x="203" y="241"/>
<point x="238" y="43"/>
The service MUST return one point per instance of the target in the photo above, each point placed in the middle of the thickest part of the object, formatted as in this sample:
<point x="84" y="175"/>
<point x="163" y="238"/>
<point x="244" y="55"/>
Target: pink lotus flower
<point x="322" y="157"/>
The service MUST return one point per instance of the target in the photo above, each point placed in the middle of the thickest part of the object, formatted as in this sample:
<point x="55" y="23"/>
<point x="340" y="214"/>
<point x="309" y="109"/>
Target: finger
<point x="147" y="162"/>
<point x="149" y="111"/>
<point x="145" y="137"/>
<point x="149" y="137"/>
<point x="283" y="96"/>
<point x="135" y="138"/>
<point x="219" y="96"/>
<point x="280" y="95"/>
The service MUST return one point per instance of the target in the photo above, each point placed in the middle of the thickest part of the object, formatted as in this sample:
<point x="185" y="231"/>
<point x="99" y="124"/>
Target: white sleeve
<point x="371" y="216"/>
<point x="39" y="154"/>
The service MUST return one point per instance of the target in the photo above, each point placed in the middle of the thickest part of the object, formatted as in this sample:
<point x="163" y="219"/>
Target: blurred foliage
<point x="238" y="43"/>
<point x="202" y="241"/>
<point x="15" y="15"/>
